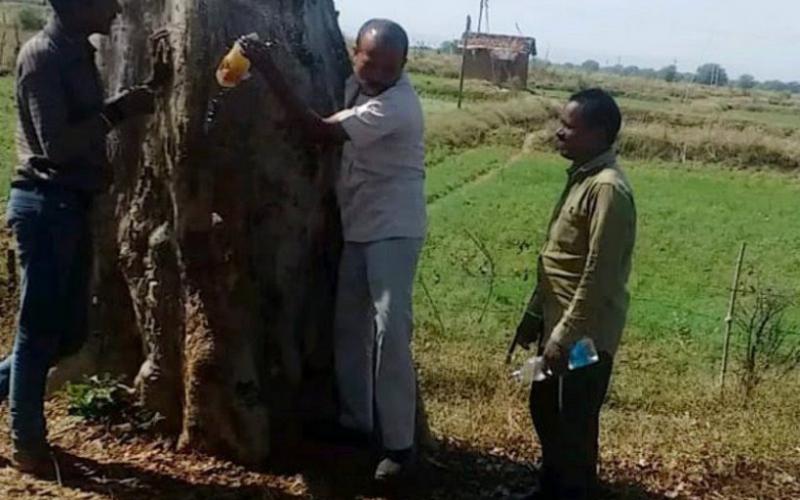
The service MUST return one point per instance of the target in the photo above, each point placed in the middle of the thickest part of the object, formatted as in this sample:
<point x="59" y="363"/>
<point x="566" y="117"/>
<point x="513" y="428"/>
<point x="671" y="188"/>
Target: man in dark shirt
<point x="61" y="140"/>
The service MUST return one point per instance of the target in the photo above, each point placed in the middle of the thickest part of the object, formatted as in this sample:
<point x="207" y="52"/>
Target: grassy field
<point x="491" y="184"/>
<point x="489" y="205"/>
<point x="692" y="221"/>
<point x="7" y="127"/>
<point x="11" y="34"/>
<point x="488" y="209"/>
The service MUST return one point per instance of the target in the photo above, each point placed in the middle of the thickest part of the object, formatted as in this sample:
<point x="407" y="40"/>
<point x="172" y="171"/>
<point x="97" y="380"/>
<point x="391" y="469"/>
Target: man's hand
<point x="529" y="330"/>
<point x="259" y="55"/>
<point x="556" y="357"/>
<point x="137" y="101"/>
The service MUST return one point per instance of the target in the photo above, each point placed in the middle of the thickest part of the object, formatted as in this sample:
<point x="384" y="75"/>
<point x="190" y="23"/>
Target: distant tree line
<point x="707" y="74"/>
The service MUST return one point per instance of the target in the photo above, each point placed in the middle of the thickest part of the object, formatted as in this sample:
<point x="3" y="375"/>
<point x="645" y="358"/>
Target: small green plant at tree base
<point x="96" y="398"/>
<point x="770" y="346"/>
<point x="105" y="399"/>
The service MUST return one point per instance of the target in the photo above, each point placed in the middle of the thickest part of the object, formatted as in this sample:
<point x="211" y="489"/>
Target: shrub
<point x="31" y="19"/>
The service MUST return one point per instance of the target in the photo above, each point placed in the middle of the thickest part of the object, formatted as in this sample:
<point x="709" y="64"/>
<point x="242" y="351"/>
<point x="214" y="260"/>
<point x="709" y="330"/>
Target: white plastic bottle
<point x="533" y="370"/>
<point x="582" y="354"/>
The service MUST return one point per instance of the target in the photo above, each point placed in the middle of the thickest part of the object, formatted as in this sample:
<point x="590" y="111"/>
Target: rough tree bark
<point x="217" y="252"/>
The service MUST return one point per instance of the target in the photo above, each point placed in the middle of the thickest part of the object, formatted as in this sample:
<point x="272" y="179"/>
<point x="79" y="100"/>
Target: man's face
<point x="577" y="141"/>
<point x="99" y="15"/>
<point x="377" y="67"/>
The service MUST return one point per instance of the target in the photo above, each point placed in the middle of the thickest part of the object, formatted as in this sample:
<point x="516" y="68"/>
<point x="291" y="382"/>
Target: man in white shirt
<point x="382" y="201"/>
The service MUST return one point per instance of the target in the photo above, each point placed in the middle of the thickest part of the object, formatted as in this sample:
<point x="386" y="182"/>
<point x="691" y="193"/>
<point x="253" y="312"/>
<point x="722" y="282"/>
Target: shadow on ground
<point x="125" y="482"/>
<point x="450" y="472"/>
<point x="307" y="470"/>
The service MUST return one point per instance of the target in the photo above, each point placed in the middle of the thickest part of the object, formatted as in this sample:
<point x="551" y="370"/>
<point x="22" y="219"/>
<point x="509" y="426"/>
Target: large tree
<point x="746" y="82"/>
<point x="668" y="73"/>
<point x="590" y="65"/>
<point x="217" y="247"/>
<point x="712" y="74"/>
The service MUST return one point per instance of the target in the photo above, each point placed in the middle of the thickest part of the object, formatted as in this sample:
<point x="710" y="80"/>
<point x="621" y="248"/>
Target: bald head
<point x="387" y="34"/>
<point x="380" y="55"/>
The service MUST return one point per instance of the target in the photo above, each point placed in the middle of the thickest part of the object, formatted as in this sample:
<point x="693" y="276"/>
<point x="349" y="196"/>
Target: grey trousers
<point x="373" y="330"/>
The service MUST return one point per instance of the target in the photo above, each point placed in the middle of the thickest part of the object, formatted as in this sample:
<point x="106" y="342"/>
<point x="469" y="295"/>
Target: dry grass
<point x="431" y="63"/>
<point x="747" y="148"/>
<point x="496" y="123"/>
<point x="675" y="429"/>
<point x="703" y="143"/>
<point x="664" y="121"/>
<point x="474" y="90"/>
<point x="656" y="135"/>
<point x="651" y="406"/>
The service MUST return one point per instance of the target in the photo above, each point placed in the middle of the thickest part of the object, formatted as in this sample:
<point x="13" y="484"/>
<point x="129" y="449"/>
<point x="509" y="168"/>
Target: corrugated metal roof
<point x="490" y="41"/>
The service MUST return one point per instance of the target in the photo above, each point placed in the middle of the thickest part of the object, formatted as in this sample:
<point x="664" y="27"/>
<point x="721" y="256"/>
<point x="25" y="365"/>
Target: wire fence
<point x="706" y="302"/>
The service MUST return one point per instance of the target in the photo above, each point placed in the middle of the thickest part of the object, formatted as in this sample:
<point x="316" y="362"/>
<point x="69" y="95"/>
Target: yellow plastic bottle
<point x="234" y="67"/>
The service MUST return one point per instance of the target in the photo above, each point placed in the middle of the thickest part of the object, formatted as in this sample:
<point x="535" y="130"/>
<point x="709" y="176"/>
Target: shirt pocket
<point x="570" y="231"/>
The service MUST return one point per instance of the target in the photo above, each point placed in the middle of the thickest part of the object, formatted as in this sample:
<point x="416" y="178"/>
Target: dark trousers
<point x="567" y="420"/>
<point x="54" y="245"/>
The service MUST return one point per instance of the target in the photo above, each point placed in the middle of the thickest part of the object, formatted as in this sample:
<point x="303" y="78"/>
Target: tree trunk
<point x="217" y="250"/>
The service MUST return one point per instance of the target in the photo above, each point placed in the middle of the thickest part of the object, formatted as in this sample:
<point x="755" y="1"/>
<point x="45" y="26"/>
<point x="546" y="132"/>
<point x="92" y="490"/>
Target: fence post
<point x="463" y="61"/>
<point x="729" y="318"/>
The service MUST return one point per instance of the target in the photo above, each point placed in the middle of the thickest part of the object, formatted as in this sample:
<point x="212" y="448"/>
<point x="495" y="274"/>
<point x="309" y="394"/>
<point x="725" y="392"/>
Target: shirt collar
<point x="353" y="86"/>
<point x="599" y="162"/>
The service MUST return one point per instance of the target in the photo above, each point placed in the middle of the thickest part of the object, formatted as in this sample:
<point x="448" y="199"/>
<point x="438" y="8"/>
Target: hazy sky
<point x="761" y="37"/>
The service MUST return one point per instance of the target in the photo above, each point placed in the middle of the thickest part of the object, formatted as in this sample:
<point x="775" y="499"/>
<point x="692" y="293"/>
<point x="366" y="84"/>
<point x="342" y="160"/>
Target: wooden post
<point x="463" y="61"/>
<point x="18" y="42"/>
<point x="729" y="318"/>
<point x="2" y="46"/>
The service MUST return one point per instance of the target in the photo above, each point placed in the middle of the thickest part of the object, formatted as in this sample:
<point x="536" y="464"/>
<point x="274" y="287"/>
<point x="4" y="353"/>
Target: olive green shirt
<point x="584" y="265"/>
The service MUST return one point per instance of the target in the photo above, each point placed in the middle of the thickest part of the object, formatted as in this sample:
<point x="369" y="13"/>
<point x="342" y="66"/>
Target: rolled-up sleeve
<point x="369" y="122"/>
<point x="42" y="94"/>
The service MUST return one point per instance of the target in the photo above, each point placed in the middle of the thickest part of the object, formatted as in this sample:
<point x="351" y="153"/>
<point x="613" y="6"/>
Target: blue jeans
<point x="54" y="245"/>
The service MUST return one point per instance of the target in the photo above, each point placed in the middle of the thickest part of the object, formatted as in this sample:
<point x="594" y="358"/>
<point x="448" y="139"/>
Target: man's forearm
<point x="313" y="124"/>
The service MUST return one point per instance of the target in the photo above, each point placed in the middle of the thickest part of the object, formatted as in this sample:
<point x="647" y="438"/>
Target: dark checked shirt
<point x="58" y="86"/>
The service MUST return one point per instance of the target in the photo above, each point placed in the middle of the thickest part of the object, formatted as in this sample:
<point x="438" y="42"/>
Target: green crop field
<point x="711" y="168"/>
<point x="692" y="221"/>
<point x="489" y="205"/>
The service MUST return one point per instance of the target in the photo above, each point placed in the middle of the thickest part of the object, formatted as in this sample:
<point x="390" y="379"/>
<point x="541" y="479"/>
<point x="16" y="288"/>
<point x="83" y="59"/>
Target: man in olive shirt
<point x="61" y="140"/>
<point x="581" y="293"/>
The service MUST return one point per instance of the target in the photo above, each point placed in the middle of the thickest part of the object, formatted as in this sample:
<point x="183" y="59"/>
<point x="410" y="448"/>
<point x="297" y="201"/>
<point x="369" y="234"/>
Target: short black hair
<point x="387" y="32"/>
<point x="600" y="110"/>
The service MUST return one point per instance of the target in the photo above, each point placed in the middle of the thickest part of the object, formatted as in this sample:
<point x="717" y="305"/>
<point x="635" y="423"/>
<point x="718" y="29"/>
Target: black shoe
<point x="395" y="465"/>
<point x="39" y="462"/>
